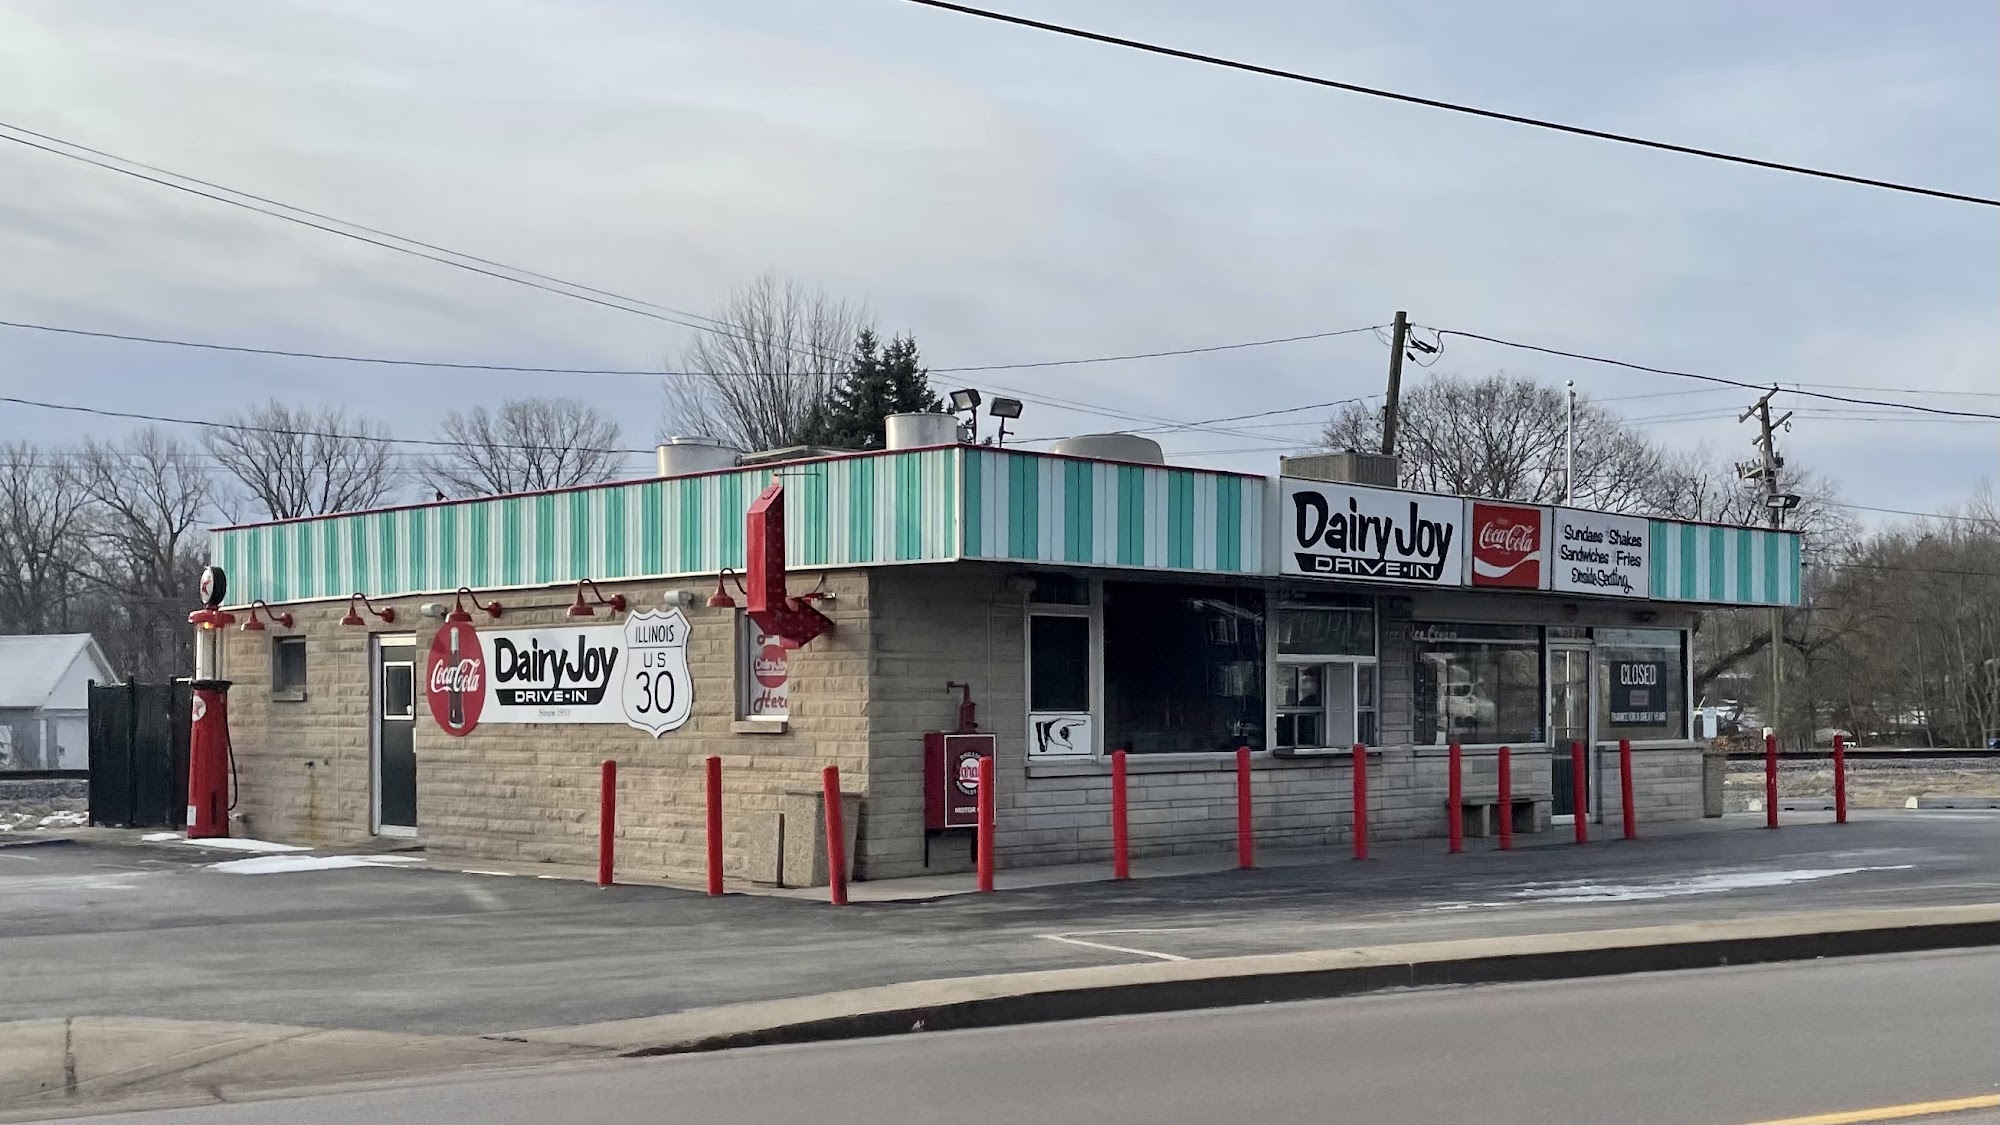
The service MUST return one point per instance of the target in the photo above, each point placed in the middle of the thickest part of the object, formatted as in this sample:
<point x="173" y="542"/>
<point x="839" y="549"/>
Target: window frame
<point x="1094" y="613"/>
<point x="1541" y="663"/>
<point x="743" y="676"/>
<point x="289" y="693"/>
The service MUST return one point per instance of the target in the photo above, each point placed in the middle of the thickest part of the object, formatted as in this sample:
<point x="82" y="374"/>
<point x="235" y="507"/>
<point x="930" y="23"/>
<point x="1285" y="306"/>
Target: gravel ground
<point x="1872" y="783"/>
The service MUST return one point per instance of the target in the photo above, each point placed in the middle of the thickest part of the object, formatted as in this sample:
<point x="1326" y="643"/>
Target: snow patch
<point x="286" y="864"/>
<point x="233" y="844"/>
<point x="1578" y="891"/>
<point x="159" y="837"/>
<point x="66" y="819"/>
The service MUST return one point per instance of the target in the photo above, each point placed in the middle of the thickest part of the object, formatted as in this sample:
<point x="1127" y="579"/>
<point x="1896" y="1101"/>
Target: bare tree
<point x="149" y="493"/>
<point x="525" y="445"/>
<point x="44" y="514"/>
<point x="763" y="379"/>
<point x="1502" y="436"/>
<point x="297" y="461"/>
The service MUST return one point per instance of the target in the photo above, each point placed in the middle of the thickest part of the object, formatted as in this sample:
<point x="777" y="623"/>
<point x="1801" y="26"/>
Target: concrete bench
<point x="1479" y="812"/>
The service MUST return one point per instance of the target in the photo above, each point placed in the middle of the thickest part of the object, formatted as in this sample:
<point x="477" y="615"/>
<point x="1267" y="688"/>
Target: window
<point x="1641" y="684"/>
<point x="1058" y="663"/>
<point x="1327" y="630"/>
<point x="1364" y="704"/>
<point x="1060" y="589"/>
<point x="288" y="667"/>
<point x="1478" y="684"/>
<point x="764" y="671"/>
<point x="1183" y="668"/>
<point x="1301" y="706"/>
<point x="399" y="691"/>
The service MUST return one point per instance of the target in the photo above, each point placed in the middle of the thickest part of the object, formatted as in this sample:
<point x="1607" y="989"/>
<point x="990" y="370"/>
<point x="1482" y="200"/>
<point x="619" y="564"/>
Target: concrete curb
<point x="1065" y="994"/>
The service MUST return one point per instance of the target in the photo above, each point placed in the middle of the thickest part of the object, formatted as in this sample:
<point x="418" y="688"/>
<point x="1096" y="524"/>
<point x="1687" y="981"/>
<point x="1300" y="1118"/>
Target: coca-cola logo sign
<point x="1508" y="544"/>
<point x="455" y="678"/>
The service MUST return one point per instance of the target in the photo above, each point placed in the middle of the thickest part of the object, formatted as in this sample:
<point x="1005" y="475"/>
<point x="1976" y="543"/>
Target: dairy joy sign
<point x="1598" y="553"/>
<point x="1337" y="530"/>
<point x="635" y="673"/>
<point x="1508" y="544"/>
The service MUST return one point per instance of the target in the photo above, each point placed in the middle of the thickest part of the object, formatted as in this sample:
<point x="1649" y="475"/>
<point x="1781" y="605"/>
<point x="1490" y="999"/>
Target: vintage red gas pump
<point x="208" y="761"/>
<point x="208" y="740"/>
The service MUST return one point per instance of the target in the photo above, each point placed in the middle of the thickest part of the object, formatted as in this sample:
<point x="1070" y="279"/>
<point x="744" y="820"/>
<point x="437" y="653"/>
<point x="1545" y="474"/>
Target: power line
<point x="1453" y="107"/>
<point x="1708" y="378"/>
<point x="406" y="362"/>
<point x="527" y="280"/>
<point x="1909" y="512"/>
<point x="206" y="423"/>
<point x="1158" y="355"/>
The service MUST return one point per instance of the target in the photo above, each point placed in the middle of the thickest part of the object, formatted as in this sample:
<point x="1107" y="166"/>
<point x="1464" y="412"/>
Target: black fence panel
<point x="139" y="754"/>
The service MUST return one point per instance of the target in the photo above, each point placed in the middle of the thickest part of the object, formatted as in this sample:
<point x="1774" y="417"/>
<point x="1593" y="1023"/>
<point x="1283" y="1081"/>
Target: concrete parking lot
<point x="158" y="931"/>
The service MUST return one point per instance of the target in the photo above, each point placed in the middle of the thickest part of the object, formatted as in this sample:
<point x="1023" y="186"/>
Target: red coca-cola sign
<point x="455" y="678"/>
<point x="1507" y="541"/>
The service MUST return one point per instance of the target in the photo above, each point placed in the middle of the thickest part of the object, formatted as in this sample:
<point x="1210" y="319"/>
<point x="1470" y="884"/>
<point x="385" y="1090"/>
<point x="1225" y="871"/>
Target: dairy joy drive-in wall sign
<point x="635" y="673"/>
<point x="1371" y="534"/>
<point x="1598" y="553"/>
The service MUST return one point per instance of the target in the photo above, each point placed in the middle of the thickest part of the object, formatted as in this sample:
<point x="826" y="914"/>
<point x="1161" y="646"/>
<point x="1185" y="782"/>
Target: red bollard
<point x="1360" y="801"/>
<point x="1839" y="779"/>
<point x="836" y="838"/>
<point x="1506" y="799"/>
<point x="1770" y="781"/>
<point x="1582" y="817"/>
<point x="714" y="825"/>
<point x="1625" y="788"/>
<point x="1246" y="840"/>
<point x="1121" y="860"/>
<point x="607" y="820"/>
<point x="1454" y="801"/>
<point x="986" y="818"/>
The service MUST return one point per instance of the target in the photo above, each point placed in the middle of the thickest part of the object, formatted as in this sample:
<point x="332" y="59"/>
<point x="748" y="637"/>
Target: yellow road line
<point x="1892" y="1112"/>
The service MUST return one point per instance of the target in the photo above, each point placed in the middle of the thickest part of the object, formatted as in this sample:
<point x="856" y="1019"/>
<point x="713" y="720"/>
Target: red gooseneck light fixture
<point x="460" y="615"/>
<point x="581" y="608"/>
<point x="387" y="613"/>
<point x="721" y="599"/>
<point x="254" y="624"/>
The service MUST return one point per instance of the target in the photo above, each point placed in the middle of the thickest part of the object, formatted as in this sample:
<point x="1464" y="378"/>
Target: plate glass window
<point x="1477" y="684"/>
<point x="1183" y="668"/>
<point x="1641" y="684"/>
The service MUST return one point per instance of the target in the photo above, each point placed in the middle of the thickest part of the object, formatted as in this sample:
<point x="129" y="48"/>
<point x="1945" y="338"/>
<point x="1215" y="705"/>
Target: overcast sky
<point x="1010" y="196"/>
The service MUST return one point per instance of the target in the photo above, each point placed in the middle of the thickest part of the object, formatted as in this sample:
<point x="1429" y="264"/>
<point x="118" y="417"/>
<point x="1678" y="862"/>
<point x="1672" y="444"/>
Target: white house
<point x="45" y="700"/>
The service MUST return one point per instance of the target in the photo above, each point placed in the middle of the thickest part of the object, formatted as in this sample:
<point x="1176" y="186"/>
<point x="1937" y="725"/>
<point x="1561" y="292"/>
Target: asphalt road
<point x="152" y="931"/>
<point x="1693" y="1048"/>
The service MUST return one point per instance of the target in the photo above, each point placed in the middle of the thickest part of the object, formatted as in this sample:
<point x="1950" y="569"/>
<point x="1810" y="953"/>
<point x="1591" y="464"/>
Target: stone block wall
<point x="529" y="792"/>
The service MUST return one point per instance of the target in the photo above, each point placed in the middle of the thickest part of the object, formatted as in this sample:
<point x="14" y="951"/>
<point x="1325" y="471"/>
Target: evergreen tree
<point x="885" y="379"/>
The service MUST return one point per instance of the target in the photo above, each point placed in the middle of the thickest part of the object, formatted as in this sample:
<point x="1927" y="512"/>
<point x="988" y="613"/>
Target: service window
<point x="1325" y="691"/>
<point x="288" y="667"/>
<point x="1478" y="684"/>
<point x="1183" y="668"/>
<point x="1641" y="684"/>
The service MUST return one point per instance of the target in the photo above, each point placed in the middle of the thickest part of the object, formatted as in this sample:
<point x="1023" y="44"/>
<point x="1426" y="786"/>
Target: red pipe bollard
<point x="1625" y="800"/>
<point x="1506" y="799"/>
<point x="1770" y="781"/>
<point x="986" y="818"/>
<point x="1839" y="779"/>
<point x="1246" y="840"/>
<point x="1454" y="800"/>
<point x="607" y="819"/>
<point x="1121" y="859"/>
<point x="714" y="766"/>
<point x="1582" y="787"/>
<point x="836" y="838"/>
<point x="1360" y="801"/>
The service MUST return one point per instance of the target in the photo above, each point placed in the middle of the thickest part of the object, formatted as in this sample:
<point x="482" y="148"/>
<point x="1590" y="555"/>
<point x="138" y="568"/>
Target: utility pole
<point x="1775" y="503"/>
<point x="1399" y="333"/>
